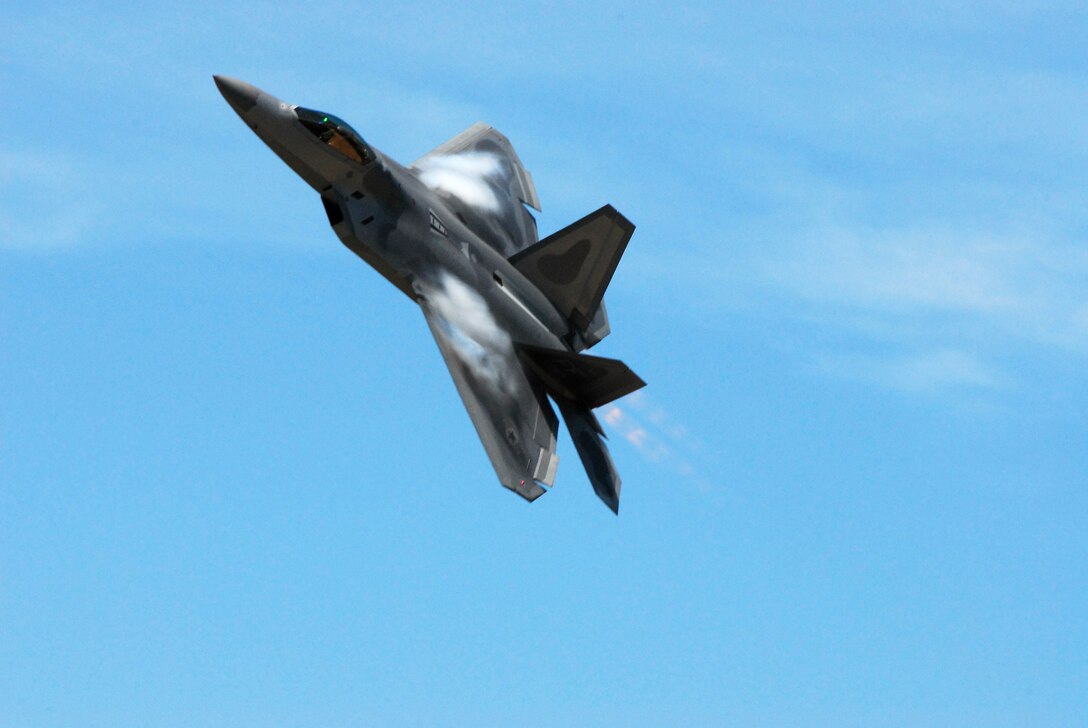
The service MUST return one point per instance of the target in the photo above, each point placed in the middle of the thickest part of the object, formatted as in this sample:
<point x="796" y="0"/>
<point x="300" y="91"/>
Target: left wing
<point x="482" y="180"/>
<point x="510" y="411"/>
<point x="483" y="138"/>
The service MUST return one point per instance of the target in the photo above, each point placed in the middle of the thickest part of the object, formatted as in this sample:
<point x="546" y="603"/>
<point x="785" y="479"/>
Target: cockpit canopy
<point x="336" y="133"/>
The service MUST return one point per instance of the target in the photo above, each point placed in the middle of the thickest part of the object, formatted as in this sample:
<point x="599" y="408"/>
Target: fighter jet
<point x="512" y="314"/>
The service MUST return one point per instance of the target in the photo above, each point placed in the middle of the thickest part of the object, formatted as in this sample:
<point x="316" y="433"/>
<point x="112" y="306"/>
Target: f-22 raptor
<point x="511" y="313"/>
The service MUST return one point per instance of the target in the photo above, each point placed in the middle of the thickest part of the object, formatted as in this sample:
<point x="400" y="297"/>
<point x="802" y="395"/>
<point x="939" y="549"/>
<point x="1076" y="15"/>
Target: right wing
<point x="510" y="412"/>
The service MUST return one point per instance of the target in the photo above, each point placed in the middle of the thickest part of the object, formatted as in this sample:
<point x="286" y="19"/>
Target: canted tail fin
<point x="574" y="266"/>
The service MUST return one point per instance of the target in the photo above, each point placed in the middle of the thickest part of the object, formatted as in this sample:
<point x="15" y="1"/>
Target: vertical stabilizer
<point x="574" y="266"/>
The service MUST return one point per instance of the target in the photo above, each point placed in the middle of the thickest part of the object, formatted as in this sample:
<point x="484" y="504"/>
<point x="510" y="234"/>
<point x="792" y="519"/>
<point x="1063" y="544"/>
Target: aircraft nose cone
<point x="240" y="95"/>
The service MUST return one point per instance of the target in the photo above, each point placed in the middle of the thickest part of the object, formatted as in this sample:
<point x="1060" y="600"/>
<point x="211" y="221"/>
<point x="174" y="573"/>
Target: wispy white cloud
<point x="1032" y="289"/>
<point x="916" y="221"/>
<point x="940" y="309"/>
<point x="920" y="371"/>
<point x="900" y="286"/>
<point x="43" y="204"/>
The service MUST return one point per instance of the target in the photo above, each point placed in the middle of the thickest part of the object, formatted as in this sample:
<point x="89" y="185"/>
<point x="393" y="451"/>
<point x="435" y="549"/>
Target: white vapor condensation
<point x="657" y="437"/>
<point x="464" y="176"/>
<point x="472" y="331"/>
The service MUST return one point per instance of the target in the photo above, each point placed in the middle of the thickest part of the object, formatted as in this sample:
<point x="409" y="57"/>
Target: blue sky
<point x="237" y="486"/>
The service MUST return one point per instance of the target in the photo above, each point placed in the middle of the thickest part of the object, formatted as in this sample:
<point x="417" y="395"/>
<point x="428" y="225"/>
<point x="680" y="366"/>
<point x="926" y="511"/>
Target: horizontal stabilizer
<point x="585" y="431"/>
<point x="574" y="266"/>
<point x="590" y="380"/>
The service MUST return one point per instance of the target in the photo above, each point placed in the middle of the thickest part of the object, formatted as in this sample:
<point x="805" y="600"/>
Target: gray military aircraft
<point x="510" y="313"/>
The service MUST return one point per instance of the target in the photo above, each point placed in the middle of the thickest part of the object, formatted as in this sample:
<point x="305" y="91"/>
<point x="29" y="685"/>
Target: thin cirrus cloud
<point x="937" y="274"/>
<point x="42" y="208"/>
<point x="914" y="224"/>
<point x="938" y="309"/>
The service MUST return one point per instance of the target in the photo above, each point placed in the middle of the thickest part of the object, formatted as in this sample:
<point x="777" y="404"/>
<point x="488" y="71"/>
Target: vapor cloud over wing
<point x="468" y="324"/>
<point x="464" y="176"/>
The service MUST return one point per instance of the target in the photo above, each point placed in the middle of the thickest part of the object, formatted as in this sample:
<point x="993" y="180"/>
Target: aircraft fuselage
<point x="383" y="213"/>
<point x="510" y="313"/>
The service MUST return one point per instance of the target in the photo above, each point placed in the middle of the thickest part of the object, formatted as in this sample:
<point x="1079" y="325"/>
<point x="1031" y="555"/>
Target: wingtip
<point x="530" y="490"/>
